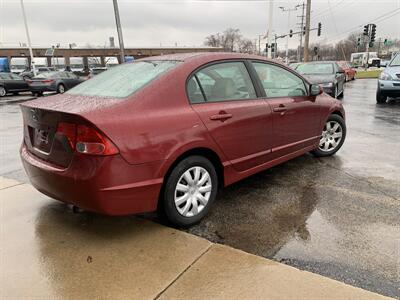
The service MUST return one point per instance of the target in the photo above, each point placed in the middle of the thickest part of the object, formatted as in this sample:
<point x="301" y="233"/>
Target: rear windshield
<point x="123" y="80"/>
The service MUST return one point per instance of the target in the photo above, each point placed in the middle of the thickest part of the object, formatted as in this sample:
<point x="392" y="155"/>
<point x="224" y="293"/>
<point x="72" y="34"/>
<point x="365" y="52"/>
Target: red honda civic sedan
<point x="164" y="133"/>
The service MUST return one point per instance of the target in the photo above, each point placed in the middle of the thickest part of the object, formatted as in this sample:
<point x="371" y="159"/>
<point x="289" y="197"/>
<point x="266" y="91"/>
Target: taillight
<point x="87" y="140"/>
<point x="29" y="81"/>
<point x="47" y="81"/>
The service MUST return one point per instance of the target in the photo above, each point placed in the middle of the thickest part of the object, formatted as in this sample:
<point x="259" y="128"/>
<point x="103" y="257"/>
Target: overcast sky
<point x="153" y="23"/>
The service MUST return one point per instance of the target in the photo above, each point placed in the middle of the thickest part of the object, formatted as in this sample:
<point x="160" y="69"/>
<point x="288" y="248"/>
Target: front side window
<point x="278" y="82"/>
<point x="123" y="80"/>
<point x="226" y="81"/>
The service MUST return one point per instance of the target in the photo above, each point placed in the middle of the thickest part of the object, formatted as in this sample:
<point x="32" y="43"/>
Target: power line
<point x="378" y="19"/>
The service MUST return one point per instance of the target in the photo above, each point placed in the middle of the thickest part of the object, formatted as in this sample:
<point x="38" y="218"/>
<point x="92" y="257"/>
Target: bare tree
<point x="246" y="46"/>
<point x="230" y="40"/>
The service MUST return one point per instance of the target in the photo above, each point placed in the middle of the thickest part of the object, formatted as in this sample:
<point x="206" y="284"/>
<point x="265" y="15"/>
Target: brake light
<point x="87" y="140"/>
<point x="69" y="131"/>
<point x="47" y="81"/>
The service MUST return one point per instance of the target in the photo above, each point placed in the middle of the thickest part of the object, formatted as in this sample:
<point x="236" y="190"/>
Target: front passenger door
<point x="295" y="113"/>
<point x="225" y="99"/>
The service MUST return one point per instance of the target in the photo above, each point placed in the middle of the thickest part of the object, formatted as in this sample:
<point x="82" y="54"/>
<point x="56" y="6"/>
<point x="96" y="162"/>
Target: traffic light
<point x="304" y="30"/>
<point x="358" y="41"/>
<point x="366" y="30"/>
<point x="273" y="45"/>
<point x="319" y="29"/>
<point x="290" y="33"/>
<point x="373" y="33"/>
<point x="371" y="44"/>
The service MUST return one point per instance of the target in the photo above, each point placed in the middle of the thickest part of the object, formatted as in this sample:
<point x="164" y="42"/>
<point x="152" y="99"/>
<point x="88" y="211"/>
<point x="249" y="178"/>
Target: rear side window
<point x="123" y="80"/>
<point x="221" y="82"/>
<point x="278" y="82"/>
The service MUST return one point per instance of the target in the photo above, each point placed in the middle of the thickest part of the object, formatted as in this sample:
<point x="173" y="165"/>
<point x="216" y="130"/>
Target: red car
<point x="164" y="133"/>
<point x="349" y="70"/>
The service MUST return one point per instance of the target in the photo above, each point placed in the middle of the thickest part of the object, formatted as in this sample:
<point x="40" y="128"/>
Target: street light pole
<point x="269" y="32"/>
<point x="307" y="37"/>
<point x="289" y="10"/>
<point x="119" y="31"/>
<point x="28" y="38"/>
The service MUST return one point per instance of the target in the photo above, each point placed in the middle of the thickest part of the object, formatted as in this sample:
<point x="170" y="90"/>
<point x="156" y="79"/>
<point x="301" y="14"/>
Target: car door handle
<point x="280" y="109"/>
<point x="222" y="116"/>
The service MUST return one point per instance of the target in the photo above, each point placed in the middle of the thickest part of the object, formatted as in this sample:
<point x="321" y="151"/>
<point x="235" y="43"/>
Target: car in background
<point x="349" y="70"/>
<point x="328" y="74"/>
<point x="95" y="71"/>
<point x="56" y="81"/>
<point x="28" y="74"/>
<point x="166" y="132"/>
<point x="12" y="83"/>
<point x="389" y="81"/>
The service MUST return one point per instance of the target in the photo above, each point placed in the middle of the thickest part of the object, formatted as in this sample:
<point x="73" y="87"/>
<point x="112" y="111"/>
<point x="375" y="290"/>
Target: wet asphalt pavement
<point x="337" y="216"/>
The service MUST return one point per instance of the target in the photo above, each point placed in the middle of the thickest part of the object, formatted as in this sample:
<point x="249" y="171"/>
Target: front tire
<point x="380" y="97"/>
<point x="332" y="137"/>
<point x="3" y="91"/>
<point x="189" y="191"/>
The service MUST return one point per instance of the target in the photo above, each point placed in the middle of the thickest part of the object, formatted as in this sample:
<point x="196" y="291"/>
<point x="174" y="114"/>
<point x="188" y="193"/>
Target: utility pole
<point x="28" y="38"/>
<point x="269" y="32"/>
<point x="289" y="10"/>
<point x="119" y="31"/>
<point x="303" y="6"/>
<point x="307" y="37"/>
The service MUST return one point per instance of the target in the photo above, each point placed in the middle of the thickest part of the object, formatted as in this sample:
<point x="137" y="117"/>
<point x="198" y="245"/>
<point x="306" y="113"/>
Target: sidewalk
<point x="47" y="252"/>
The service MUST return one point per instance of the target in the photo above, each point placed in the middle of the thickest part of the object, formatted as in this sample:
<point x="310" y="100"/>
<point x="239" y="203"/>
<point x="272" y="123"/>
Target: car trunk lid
<point x="42" y="117"/>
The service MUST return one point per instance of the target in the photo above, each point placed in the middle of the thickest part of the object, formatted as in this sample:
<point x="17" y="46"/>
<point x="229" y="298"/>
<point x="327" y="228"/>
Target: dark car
<point x="328" y="74"/>
<point x="166" y="132"/>
<point x="59" y="82"/>
<point x="12" y="83"/>
<point x="28" y="74"/>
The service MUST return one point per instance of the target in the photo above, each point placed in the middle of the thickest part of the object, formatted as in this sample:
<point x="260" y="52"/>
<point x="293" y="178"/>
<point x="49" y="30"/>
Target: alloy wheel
<point x="331" y="136"/>
<point x="61" y="89"/>
<point x="193" y="191"/>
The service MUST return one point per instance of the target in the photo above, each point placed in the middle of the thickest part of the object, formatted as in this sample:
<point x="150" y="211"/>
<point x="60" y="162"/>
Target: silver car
<point x="389" y="81"/>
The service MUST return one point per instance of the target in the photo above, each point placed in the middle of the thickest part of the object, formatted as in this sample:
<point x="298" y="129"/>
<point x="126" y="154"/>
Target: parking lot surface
<point x="336" y="216"/>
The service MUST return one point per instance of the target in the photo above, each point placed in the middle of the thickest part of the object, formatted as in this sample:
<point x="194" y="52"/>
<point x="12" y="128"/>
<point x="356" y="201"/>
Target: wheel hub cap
<point x="193" y="191"/>
<point x="331" y="136"/>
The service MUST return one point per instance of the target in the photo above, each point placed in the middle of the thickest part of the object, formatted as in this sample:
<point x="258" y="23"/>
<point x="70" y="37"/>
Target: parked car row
<point x="49" y="81"/>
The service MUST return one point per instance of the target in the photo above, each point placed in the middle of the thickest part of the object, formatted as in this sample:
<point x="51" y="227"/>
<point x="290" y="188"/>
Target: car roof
<point x="185" y="57"/>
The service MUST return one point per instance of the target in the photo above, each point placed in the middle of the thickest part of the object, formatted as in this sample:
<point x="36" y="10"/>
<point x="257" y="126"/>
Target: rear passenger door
<point x="224" y="97"/>
<point x="295" y="113"/>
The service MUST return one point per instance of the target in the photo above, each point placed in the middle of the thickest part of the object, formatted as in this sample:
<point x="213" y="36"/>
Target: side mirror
<point x="315" y="90"/>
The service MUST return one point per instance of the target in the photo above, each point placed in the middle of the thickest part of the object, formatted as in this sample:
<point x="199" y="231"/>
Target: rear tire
<point x="380" y="97"/>
<point x="60" y="89"/>
<point x="189" y="191"/>
<point x="332" y="137"/>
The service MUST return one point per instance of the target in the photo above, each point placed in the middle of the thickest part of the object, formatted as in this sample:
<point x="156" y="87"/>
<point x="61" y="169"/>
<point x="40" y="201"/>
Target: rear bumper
<point x="43" y="88"/>
<point x="107" y="185"/>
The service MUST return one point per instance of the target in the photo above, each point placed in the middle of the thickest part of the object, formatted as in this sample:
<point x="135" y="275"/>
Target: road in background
<point x="336" y="216"/>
